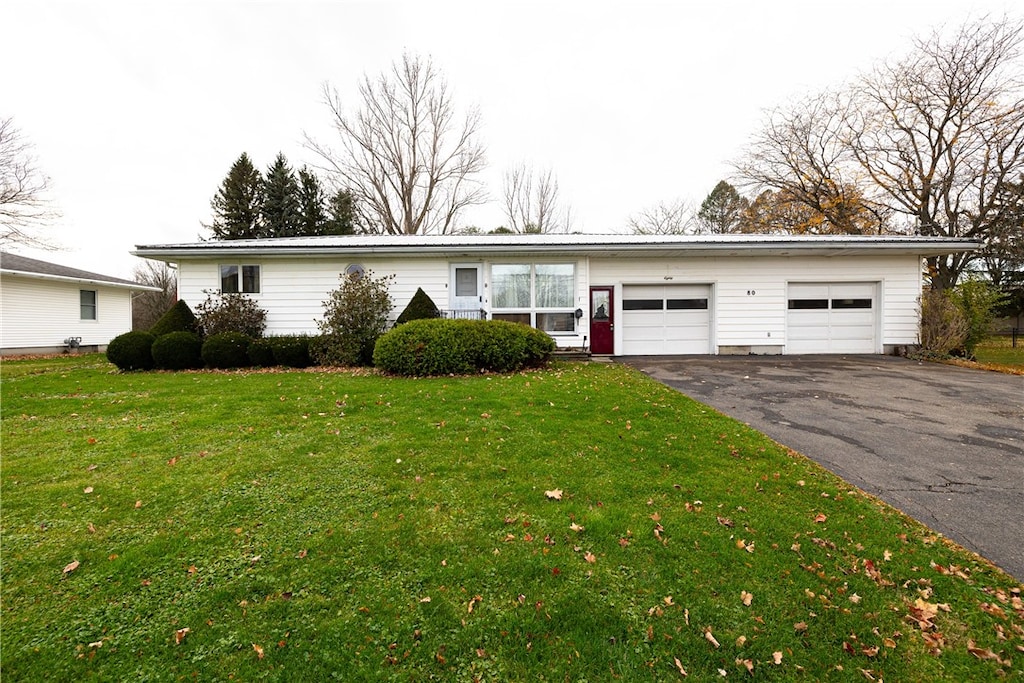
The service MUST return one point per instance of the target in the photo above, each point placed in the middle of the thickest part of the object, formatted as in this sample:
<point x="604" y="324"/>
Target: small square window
<point x="235" y="279"/>
<point x="87" y="304"/>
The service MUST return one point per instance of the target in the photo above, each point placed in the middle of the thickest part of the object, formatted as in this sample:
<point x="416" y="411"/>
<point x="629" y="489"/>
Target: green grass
<point x="999" y="351"/>
<point x="330" y="525"/>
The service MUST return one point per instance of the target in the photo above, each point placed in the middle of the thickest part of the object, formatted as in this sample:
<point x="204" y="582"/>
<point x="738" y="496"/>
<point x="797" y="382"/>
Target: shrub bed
<point x="261" y="352"/>
<point x="178" y="318"/>
<point x="178" y="351"/>
<point x="131" y="351"/>
<point x="227" y="350"/>
<point x="442" y="347"/>
<point x="291" y="351"/>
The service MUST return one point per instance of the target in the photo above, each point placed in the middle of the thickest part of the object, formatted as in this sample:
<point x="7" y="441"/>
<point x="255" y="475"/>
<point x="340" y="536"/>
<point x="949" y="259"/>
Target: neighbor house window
<point x="87" y="304"/>
<point x="541" y="295"/>
<point x="239" y="279"/>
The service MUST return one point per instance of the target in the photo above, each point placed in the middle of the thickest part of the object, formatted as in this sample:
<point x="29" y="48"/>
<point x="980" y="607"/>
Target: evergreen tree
<point x="312" y="214"/>
<point x="280" y="211"/>
<point x="236" y="206"/>
<point x="722" y="210"/>
<point x="343" y="217"/>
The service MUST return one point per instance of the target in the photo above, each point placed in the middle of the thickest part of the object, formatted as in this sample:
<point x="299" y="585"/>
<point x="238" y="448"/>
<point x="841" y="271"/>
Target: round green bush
<point x="291" y="351"/>
<point x="178" y="351"/>
<point x="441" y="347"/>
<point x="425" y="347"/>
<point x="227" y="350"/>
<point x="261" y="352"/>
<point x="131" y="351"/>
<point x="178" y="318"/>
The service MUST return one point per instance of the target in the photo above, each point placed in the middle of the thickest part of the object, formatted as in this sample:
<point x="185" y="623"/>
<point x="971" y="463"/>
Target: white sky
<point x="137" y="109"/>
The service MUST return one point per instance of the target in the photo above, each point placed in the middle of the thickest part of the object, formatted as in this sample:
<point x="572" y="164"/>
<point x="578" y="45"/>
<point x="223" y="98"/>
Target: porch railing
<point x="472" y="314"/>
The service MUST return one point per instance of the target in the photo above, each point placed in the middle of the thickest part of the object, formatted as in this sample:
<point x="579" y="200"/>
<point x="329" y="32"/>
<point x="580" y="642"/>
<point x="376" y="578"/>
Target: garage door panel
<point x="831" y="318"/>
<point x="679" y="324"/>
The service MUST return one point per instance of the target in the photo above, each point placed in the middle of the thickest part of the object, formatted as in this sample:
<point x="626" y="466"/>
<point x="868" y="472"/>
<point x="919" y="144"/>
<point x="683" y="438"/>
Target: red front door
<point x="602" y="320"/>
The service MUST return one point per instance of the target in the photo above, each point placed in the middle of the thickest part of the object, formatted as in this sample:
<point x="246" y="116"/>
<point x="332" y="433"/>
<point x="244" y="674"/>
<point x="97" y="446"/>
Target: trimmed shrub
<point x="178" y="351"/>
<point x="291" y="351"/>
<point x="131" y="351"/>
<point x="425" y="347"/>
<point x="977" y="301"/>
<point x="355" y="315"/>
<point x="227" y="350"/>
<point x="230" y="313"/>
<point x="334" y="350"/>
<point x="261" y="352"/>
<point x="442" y="347"/>
<point x="178" y="318"/>
<point x="420" y="307"/>
<point x="943" y="325"/>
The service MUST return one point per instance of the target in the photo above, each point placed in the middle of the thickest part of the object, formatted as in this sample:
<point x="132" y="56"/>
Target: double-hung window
<point x="239" y="279"/>
<point x="87" y="304"/>
<point x="542" y="295"/>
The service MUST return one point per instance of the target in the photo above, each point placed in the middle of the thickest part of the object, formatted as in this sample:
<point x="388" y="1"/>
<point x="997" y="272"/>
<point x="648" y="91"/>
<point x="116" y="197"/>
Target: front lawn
<point x="999" y="351"/>
<point x="580" y="523"/>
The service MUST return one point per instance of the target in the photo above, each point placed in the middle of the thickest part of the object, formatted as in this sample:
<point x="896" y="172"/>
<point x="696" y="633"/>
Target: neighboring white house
<point x="46" y="308"/>
<point x="613" y="294"/>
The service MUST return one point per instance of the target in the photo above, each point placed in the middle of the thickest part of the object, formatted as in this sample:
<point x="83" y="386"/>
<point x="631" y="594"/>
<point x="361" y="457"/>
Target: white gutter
<point x="86" y="281"/>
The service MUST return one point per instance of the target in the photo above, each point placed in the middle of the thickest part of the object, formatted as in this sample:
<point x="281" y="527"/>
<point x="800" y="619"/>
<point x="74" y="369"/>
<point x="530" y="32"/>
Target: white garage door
<point x="831" y="318"/>
<point x="665" y="319"/>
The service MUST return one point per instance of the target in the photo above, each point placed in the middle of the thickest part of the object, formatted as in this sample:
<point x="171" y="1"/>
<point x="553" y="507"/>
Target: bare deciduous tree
<point x="933" y="138"/>
<point x="673" y="218"/>
<point x="23" y="188"/>
<point x="532" y="204"/>
<point x="407" y="156"/>
<point x="148" y="307"/>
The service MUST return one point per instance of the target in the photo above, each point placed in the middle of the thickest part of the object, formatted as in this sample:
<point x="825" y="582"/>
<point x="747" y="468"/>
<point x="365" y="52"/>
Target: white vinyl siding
<point x="38" y="313"/>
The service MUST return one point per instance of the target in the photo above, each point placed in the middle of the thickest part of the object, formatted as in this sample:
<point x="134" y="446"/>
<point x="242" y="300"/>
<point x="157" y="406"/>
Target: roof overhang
<point x="468" y="246"/>
<point x="134" y="287"/>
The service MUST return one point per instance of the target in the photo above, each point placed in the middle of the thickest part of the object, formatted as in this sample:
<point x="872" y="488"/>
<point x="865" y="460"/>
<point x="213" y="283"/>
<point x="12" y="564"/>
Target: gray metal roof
<point x="15" y="264"/>
<point x="574" y="244"/>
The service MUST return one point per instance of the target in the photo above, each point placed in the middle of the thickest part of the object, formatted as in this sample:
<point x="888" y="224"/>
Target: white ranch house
<point x="46" y="307"/>
<point x="610" y="294"/>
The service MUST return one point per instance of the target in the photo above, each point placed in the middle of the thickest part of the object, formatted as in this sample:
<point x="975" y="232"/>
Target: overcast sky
<point x="138" y="109"/>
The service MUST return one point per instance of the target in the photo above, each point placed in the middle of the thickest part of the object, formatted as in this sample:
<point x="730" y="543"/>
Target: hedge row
<point x="443" y="347"/>
<point x="420" y="347"/>
<point x="185" y="350"/>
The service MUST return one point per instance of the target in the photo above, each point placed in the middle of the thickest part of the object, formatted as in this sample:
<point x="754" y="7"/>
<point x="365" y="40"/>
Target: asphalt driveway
<point x="942" y="443"/>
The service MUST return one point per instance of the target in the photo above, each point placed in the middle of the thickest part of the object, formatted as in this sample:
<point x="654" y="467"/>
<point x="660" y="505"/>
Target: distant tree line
<point x="279" y="203"/>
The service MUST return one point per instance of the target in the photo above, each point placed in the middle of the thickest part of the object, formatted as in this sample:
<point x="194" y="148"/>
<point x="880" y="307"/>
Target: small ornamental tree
<point x="977" y="301"/>
<point x="421" y="306"/>
<point x="178" y="318"/>
<point x="230" y="313"/>
<point x="355" y="315"/>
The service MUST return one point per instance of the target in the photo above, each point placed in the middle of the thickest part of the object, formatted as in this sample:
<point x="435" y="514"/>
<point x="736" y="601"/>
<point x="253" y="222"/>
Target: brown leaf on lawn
<point x="485" y="416"/>
<point x="173" y="461"/>
<point x="180" y="634"/>
<point x="855" y="599"/>
<point x="623" y="542"/>
<point x="656" y="517"/>
<point x="87" y="489"/>
<point x="987" y="653"/>
<point x="258" y="650"/>
<point x="138" y="504"/>
<point x="741" y="641"/>
<point x="746" y="663"/>
<point x="711" y="638"/>
<point x="679" y="666"/>
<point x="91" y="528"/>
<point x="820" y="518"/>
<point x="90" y="468"/>
<point x="889" y="643"/>
<point x="302" y="553"/>
<point x="870" y="651"/>
<point x="477" y="599"/>
<point x="668" y="602"/>
<point x="426" y="599"/>
<point x="589" y="557"/>
<point x="994" y="610"/>
<point x="935" y="642"/>
<point x="725" y="521"/>
<point x="71" y="566"/>
<point x="777" y="658"/>
<point x="746" y="597"/>
<point x="554" y="494"/>
<point x="576" y="527"/>
<point x="800" y="626"/>
<point x="886" y="555"/>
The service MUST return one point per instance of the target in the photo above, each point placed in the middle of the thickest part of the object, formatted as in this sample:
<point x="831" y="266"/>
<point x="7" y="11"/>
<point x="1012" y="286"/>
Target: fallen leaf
<point x="91" y="528"/>
<point x="887" y="555"/>
<point x="746" y="597"/>
<point x="589" y="557"/>
<point x="711" y="638"/>
<point x="777" y="657"/>
<point x="426" y="599"/>
<point x="71" y="566"/>
<point x="98" y="644"/>
<point x="138" y="504"/>
<point x="475" y="601"/>
<point x="987" y="653"/>
<point x="180" y="634"/>
<point x="679" y="666"/>
<point x="302" y="554"/>
<point x="749" y="664"/>
<point x="741" y="641"/>
<point x="820" y="517"/>
<point x="855" y="599"/>
<point x="554" y="494"/>
<point x="87" y="489"/>
<point x="258" y="650"/>
<point x="576" y="527"/>
<point x="725" y="521"/>
<point x="800" y="626"/>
